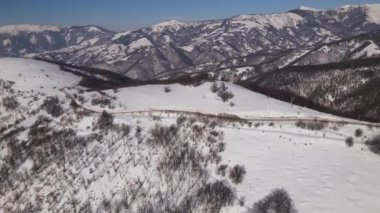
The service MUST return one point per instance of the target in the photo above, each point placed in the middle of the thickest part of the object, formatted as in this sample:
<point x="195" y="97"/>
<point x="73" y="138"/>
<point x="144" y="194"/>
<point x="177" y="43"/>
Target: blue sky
<point x="121" y="15"/>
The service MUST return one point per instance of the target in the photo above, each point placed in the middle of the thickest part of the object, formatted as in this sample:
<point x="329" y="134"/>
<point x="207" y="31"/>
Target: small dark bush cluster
<point x="312" y="125"/>
<point x="163" y="135"/>
<point x="52" y="106"/>
<point x="105" y="120"/>
<point x="358" y="133"/>
<point x="222" y="170"/>
<point x="181" y="120"/>
<point x="10" y="103"/>
<point x="349" y="141"/>
<point x="222" y="91"/>
<point x="103" y="102"/>
<point x="125" y="129"/>
<point x="39" y="127"/>
<point x="167" y="89"/>
<point x="216" y="195"/>
<point x="374" y="144"/>
<point x="237" y="174"/>
<point x="278" y="201"/>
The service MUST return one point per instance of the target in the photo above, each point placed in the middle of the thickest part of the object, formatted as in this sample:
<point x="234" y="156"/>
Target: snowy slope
<point x="316" y="168"/>
<point x="200" y="98"/>
<point x="29" y="74"/>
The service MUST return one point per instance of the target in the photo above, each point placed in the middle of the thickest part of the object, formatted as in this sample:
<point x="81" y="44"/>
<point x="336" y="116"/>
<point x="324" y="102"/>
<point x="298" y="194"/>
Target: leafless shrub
<point x="237" y="174"/>
<point x="125" y="129"/>
<point x="222" y="170"/>
<point x="222" y="91"/>
<point x="241" y="201"/>
<point x="10" y="103"/>
<point x="349" y="141"/>
<point x="101" y="101"/>
<point x="105" y="120"/>
<point x="278" y="201"/>
<point x="216" y="195"/>
<point x="225" y="95"/>
<point x="40" y="127"/>
<point x="358" y="133"/>
<point x="374" y="144"/>
<point x="163" y="135"/>
<point x="315" y="125"/>
<point x="167" y="89"/>
<point x="214" y="87"/>
<point x="181" y="120"/>
<point x="181" y="157"/>
<point x="52" y="106"/>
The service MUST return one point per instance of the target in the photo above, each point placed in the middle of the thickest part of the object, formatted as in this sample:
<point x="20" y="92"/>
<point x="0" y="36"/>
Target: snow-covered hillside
<point x="57" y="153"/>
<point x="29" y="74"/>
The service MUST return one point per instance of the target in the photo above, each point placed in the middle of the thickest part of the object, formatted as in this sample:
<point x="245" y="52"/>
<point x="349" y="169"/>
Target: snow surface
<point x="93" y="29"/>
<point x="29" y="74"/>
<point x="138" y="44"/>
<point x="172" y="24"/>
<point x="7" y="42"/>
<point x="119" y="35"/>
<point x="373" y="12"/>
<point x="278" y="21"/>
<point x="321" y="174"/>
<point x="201" y="99"/>
<point x="188" y="48"/>
<point x="27" y="28"/>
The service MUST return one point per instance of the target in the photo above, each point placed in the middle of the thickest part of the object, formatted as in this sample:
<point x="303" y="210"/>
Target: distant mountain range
<point x="324" y="59"/>
<point x="240" y="47"/>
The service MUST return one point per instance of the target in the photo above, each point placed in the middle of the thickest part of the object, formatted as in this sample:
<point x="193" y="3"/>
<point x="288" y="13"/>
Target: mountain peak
<point x="168" y="24"/>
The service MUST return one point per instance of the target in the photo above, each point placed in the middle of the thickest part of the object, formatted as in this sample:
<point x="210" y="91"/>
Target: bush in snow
<point x="358" y="133"/>
<point x="349" y="141"/>
<point x="10" y="103"/>
<point x="222" y="170"/>
<point x="40" y="127"/>
<point x="105" y="120"/>
<point x="167" y="89"/>
<point x="180" y="120"/>
<point x="214" y="87"/>
<point x="225" y="95"/>
<point x="312" y="125"/>
<point x="237" y="174"/>
<point x="103" y="102"/>
<point x="125" y="129"/>
<point x="278" y="201"/>
<point x="216" y="195"/>
<point x="52" y="106"/>
<point x="163" y="135"/>
<point x="374" y="144"/>
<point x="222" y="91"/>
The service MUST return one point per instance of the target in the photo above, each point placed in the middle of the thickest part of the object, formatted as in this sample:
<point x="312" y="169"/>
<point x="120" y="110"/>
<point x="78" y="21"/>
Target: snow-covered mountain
<point x="20" y="40"/>
<point x="259" y="43"/>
